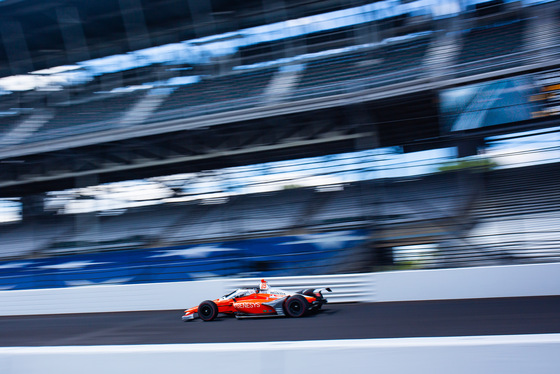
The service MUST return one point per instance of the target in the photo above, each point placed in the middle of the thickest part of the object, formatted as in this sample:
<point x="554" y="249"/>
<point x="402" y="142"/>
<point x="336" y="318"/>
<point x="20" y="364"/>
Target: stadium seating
<point x="491" y="47"/>
<point x="371" y="67"/>
<point x="20" y="240"/>
<point x="273" y="256"/>
<point x="90" y="116"/>
<point x="137" y="228"/>
<point x="216" y="94"/>
<point x="505" y="216"/>
<point x="395" y="60"/>
<point x="253" y="215"/>
<point x="514" y="221"/>
<point x="341" y="72"/>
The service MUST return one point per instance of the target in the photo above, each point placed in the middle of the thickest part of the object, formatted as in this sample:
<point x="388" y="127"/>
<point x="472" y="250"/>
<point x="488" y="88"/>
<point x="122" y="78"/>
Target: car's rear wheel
<point x="207" y="310"/>
<point x="318" y="296"/>
<point x="296" y="306"/>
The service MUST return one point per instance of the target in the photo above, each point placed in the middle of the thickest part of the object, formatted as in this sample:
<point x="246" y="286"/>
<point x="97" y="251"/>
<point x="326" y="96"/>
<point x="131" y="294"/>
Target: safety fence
<point x="345" y="287"/>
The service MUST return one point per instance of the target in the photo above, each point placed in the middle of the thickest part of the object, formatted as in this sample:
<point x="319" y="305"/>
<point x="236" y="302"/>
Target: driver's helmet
<point x="263" y="286"/>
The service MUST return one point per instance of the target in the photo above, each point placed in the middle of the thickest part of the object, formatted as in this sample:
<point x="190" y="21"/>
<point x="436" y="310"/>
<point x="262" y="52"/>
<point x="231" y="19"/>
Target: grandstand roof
<point x="37" y="34"/>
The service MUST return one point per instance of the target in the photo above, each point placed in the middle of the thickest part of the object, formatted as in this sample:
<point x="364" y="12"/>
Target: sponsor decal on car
<point x="247" y="305"/>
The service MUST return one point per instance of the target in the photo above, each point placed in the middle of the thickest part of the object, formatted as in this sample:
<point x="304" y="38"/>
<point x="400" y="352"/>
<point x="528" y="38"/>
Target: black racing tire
<point x="207" y="310"/>
<point x="296" y="306"/>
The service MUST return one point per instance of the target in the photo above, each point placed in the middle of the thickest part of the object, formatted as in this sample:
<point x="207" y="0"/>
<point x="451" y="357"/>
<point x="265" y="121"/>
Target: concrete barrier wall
<point x="109" y="298"/>
<point x="469" y="283"/>
<point x="458" y="355"/>
<point x="481" y="282"/>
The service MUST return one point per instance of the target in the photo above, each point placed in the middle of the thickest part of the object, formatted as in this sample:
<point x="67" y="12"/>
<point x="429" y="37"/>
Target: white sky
<point x="273" y="176"/>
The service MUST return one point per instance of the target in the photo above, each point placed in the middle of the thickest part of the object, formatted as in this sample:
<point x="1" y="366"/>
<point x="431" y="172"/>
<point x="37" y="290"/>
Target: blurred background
<point x="158" y="141"/>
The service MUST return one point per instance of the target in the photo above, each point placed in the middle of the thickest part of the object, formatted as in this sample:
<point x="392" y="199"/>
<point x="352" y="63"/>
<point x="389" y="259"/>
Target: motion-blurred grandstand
<point x="144" y="142"/>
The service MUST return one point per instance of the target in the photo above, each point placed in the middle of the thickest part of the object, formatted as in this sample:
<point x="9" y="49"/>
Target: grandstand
<point x="266" y="88"/>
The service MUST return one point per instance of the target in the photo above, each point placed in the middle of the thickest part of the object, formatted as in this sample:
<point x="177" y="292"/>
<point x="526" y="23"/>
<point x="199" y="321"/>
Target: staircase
<point x="282" y="84"/>
<point x="145" y="106"/>
<point x="442" y="54"/>
<point x="25" y="128"/>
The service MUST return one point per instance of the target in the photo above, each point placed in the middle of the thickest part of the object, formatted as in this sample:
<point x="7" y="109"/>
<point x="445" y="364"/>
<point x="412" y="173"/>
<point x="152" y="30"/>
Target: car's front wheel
<point x="207" y="310"/>
<point x="296" y="306"/>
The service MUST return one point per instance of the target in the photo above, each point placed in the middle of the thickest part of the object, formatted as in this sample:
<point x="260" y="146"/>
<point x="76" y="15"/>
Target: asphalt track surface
<point x="503" y="316"/>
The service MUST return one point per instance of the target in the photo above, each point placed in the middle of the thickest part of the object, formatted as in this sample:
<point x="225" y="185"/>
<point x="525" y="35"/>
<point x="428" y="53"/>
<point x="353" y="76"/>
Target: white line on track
<point x="535" y="353"/>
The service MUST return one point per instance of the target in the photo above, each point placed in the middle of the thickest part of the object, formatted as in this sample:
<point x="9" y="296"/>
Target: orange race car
<point x="260" y="301"/>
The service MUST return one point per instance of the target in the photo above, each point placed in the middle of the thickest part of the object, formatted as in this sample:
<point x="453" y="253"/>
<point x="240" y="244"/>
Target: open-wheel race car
<point x="260" y="301"/>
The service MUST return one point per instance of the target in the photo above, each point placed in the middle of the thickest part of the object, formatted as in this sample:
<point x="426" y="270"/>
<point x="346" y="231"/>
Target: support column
<point x="203" y="20"/>
<point x="32" y="214"/>
<point x="16" y="47"/>
<point x="135" y="24"/>
<point x="366" y="32"/>
<point x="444" y="49"/>
<point x="72" y="34"/>
<point x="204" y="24"/>
<point x="275" y="11"/>
<point x="32" y="206"/>
<point x="372" y="193"/>
<point x="86" y="225"/>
